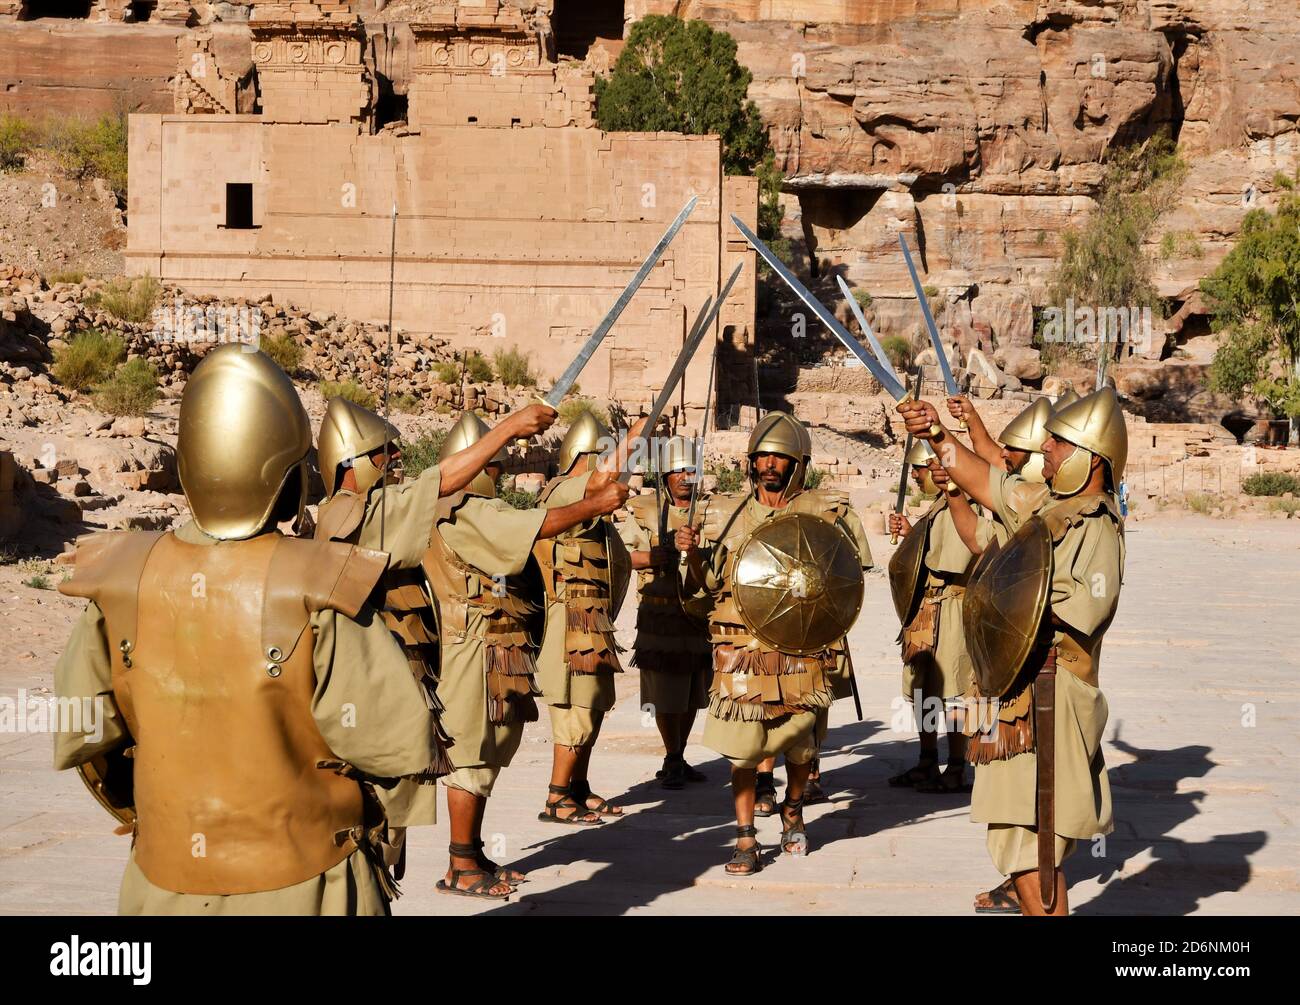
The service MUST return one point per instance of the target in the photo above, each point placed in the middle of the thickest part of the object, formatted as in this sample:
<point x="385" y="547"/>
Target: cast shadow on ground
<point x="679" y="837"/>
<point x="1148" y="806"/>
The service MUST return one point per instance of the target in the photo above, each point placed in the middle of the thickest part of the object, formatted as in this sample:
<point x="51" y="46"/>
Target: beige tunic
<point x="367" y="707"/>
<point x="945" y="673"/>
<point x="560" y="687"/>
<point x="672" y="651"/>
<point x="409" y="509"/>
<point x="496" y="539"/>
<point x="1087" y="572"/>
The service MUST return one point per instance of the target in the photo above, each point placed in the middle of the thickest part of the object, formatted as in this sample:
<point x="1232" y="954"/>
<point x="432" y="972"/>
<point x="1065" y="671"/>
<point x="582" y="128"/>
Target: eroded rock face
<point x="980" y="127"/>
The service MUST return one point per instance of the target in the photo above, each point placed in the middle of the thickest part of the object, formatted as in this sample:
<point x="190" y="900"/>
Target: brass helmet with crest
<point x="587" y="435"/>
<point x="1067" y="397"/>
<point x="781" y="433"/>
<point x="1095" y="424"/>
<point x="677" y="454"/>
<point x="1027" y="431"/>
<point x="467" y="431"/>
<point x="919" y="456"/>
<point x="243" y="437"/>
<point x="349" y="434"/>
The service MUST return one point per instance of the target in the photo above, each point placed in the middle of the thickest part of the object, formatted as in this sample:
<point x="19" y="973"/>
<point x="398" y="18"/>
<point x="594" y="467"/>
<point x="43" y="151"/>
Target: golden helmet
<point x="1027" y="431"/>
<point x="585" y="436"/>
<point x="349" y="434"/>
<point x="469" y="429"/>
<point x="677" y="454"/>
<point x="920" y="456"/>
<point x="1095" y="423"/>
<point x="781" y="433"/>
<point x="243" y="434"/>
<point x="1067" y="397"/>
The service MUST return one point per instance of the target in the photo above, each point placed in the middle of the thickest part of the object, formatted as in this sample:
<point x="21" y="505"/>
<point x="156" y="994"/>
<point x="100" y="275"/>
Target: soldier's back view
<point x="246" y="678"/>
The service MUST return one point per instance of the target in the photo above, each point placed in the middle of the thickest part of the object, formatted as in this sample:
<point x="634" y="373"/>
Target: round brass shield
<point x="798" y="583"/>
<point x="905" y="570"/>
<point x="1006" y="598"/>
<point x="110" y="778"/>
<point x="619" y="569"/>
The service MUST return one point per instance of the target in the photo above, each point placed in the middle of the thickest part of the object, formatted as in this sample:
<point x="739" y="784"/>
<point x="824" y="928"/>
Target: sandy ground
<point x="1200" y="671"/>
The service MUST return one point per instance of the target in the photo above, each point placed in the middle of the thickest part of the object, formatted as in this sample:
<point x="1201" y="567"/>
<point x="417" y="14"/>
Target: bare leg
<point x="1030" y="901"/>
<point x="796" y="782"/>
<point x="581" y="785"/>
<point x="742" y="792"/>
<point x="466" y="811"/>
<point x="563" y="761"/>
<point x="506" y="873"/>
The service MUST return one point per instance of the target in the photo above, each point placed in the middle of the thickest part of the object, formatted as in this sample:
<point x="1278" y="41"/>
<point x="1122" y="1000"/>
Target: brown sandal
<point x="1001" y="900"/>
<point x="580" y="818"/>
<point x="750" y="858"/>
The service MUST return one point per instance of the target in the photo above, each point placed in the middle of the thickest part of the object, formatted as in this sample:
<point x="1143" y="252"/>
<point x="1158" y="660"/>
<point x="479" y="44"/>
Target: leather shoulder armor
<point x="339" y="518"/>
<point x="643" y="508"/>
<point x="1073" y="512"/>
<point x="107" y="569"/>
<point x="721" y="511"/>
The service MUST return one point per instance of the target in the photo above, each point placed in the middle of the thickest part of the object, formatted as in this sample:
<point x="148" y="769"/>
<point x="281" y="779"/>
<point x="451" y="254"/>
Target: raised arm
<point x="964" y="517"/>
<point x="606" y="499"/>
<point x="961" y="408"/>
<point x="462" y="467"/>
<point x="967" y="469"/>
<point x="615" y="461"/>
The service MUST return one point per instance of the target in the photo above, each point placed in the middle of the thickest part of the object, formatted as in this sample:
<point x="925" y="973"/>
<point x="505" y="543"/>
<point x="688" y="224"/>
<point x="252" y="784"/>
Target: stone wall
<point x="505" y="237"/>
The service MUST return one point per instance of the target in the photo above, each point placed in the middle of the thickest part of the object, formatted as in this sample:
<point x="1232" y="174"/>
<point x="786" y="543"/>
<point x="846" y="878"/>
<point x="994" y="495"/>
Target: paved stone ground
<point x="1205" y="806"/>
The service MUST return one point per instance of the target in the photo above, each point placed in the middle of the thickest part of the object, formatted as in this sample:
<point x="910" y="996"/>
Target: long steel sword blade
<point x="876" y="347"/>
<point x="948" y="381"/>
<point x="702" y="324"/>
<point x="902" y="475"/>
<point x="570" y="375"/>
<point x="886" y="378"/>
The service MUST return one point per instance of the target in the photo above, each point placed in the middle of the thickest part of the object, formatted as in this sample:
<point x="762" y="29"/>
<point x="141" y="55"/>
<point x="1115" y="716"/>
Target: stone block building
<point x="518" y="221"/>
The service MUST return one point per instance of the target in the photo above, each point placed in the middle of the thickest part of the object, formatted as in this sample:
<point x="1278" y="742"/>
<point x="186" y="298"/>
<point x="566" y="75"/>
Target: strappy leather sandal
<point x="1001" y="900"/>
<point x="793" y="831"/>
<point x="926" y="768"/>
<point x="764" y="794"/>
<point x="581" y="791"/>
<point x="502" y="872"/>
<point x="813" y="791"/>
<point x="480" y="887"/>
<point x="750" y="858"/>
<point x="581" y="816"/>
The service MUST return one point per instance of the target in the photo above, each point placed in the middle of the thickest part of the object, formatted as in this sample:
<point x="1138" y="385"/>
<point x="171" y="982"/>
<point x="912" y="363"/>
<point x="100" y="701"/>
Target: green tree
<point x="682" y="77"/>
<point x="1102" y="263"/>
<point x="1254" y="299"/>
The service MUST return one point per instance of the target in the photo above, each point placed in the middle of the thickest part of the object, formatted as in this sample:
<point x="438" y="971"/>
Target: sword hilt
<point x="537" y="399"/>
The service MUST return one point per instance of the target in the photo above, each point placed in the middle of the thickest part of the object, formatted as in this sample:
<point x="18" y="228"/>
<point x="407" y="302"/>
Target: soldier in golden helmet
<point x="369" y="503"/>
<point x="585" y="572"/>
<point x="488" y="591"/>
<point x="250" y="690"/>
<point x="1019" y="449"/>
<point x="672" y="648"/>
<point x="1037" y="609"/>
<point x="928" y="577"/>
<point x="765" y="566"/>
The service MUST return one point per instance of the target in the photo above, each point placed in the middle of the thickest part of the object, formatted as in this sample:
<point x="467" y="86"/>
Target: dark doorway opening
<point x="390" y="106"/>
<point x="239" y="206"/>
<point x="140" y="10"/>
<point x="71" y="9"/>
<point x="578" y="23"/>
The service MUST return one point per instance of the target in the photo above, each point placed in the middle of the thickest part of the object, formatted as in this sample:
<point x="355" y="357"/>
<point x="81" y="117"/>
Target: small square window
<point x="239" y="206"/>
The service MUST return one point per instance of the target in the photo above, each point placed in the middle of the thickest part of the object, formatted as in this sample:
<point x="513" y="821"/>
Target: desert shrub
<point x="899" y="351"/>
<point x="571" y="408"/>
<point x="1271" y="483"/>
<point x="348" y="389"/>
<point x="405" y="403"/>
<point x="88" y="359"/>
<point x="863" y="298"/>
<point x="73" y="276"/>
<point x="1288" y="506"/>
<point x="38" y="582"/>
<point x="729" y="479"/>
<point x="86" y="149"/>
<point x="286" y="353"/>
<point x="420" y="454"/>
<point x="814" y="478"/>
<point x="478" y="368"/>
<point x="1200" y="502"/>
<point x="514" y="368"/>
<point x="131" y="390"/>
<point x="517" y="498"/>
<point x="128" y="299"/>
<point x="17" y="137"/>
<point x="447" y="372"/>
